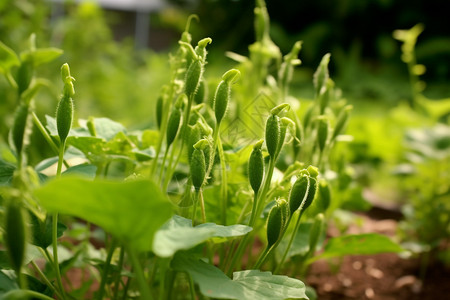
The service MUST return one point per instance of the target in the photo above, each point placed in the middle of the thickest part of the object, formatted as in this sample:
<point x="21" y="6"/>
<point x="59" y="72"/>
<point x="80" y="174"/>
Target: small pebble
<point x="357" y="265"/>
<point x="369" y="293"/>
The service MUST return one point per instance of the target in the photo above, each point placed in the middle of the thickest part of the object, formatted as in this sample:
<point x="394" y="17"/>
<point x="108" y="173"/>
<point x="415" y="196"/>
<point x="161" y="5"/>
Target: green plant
<point x="142" y="188"/>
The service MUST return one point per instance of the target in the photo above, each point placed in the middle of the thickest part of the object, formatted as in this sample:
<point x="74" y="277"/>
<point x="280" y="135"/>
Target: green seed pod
<point x="223" y="93"/>
<point x="198" y="164"/>
<point x="21" y="129"/>
<point x="311" y="193"/>
<point x="200" y="49"/>
<point x="298" y="193"/>
<point x="221" y="99"/>
<point x="322" y="132"/>
<point x="256" y="167"/>
<point x="159" y="110"/>
<point x="279" y="108"/>
<point x="315" y="232"/>
<point x="193" y="76"/>
<point x="173" y="125"/>
<point x="322" y="75"/>
<point x="341" y="121"/>
<point x="193" y="137"/>
<point x="325" y="95"/>
<point x="15" y="234"/>
<point x="272" y="134"/>
<point x="274" y="224"/>
<point x="64" y="111"/>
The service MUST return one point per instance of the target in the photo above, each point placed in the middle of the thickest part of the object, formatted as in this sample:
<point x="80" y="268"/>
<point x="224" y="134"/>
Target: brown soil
<point x="379" y="277"/>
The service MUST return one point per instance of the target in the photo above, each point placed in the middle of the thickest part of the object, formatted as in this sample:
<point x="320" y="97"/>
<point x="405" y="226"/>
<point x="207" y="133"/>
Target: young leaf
<point x="8" y="58"/>
<point x="178" y="234"/>
<point x="125" y="209"/>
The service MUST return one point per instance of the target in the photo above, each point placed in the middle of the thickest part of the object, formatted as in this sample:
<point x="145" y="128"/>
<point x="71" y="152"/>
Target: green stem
<point x="46" y="136"/>
<point x="224" y="185"/>
<point x="45" y="279"/>
<point x="168" y="178"/>
<point x="105" y="272"/>
<point x="262" y="258"/>
<point x="286" y="251"/>
<point x="259" y="207"/>
<point x="144" y="288"/>
<point x="117" y="281"/>
<point x="161" y="172"/>
<point x="199" y="195"/>
<point x="191" y="286"/>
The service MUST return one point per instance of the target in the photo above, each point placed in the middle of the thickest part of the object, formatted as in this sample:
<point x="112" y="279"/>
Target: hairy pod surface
<point x="311" y="193"/>
<point x="274" y="224"/>
<point x="201" y="92"/>
<point x="193" y="76"/>
<point x="221" y="99"/>
<point x="64" y="117"/>
<point x="15" y="234"/>
<point x="198" y="168"/>
<point x="298" y="193"/>
<point x="256" y="167"/>
<point x="272" y="134"/>
<point x="173" y="126"/>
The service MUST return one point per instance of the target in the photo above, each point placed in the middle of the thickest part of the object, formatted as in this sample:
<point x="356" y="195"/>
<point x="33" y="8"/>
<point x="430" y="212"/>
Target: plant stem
<point x="262" y="258"/>
<point x="101" y="290"/>
<point x="120" y="264"/>
<point x="45" y="279"/>
<point x="199" y="195"/>
<point x="224" y="185"/>
<point x="191" y="287"/>
<point x="286" y="251"/>
<point x="144" y="288"/>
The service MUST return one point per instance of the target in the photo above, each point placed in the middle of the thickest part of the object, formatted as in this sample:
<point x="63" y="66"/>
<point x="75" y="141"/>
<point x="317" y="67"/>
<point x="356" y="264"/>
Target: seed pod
<point x="64" y="111"/>
<point x="285" y="123"/>
<point x="223" y="93"/>
<point x="193" y="76"/>
<point x="311" y="193"/>
<point x="321" y="75"/>
<point x="21" y="129"/>
<point x="15" y="234"/>
<point x="272" y="134"/>
<point x="322" y="132"/>
<point x="341" y="121"/>
<point x="323" y="199"/>
<point x="91" y="126"/>
<point x="193" y="137"/>
<point x="315" y="232"/>
<point x="256" y="167"/>
<point x="307" y="117"/>
<point x="274" y="224"/>
<point x="279" y="108"/>
<point x="298" y="192"/>
<point x="198" y="164"/>
<point x="173" y="125"/>
<point x="200" y="49"/>
<point x="325" y="95"/>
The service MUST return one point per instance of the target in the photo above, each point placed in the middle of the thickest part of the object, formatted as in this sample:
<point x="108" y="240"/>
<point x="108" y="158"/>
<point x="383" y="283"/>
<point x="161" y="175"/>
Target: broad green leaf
<point x="300" y="245"/>
<point x="6" y="172"/>
<point x="178" y="234"/>
<point x="358" y="244"/>
<point x="8" y="58"/>
<point x="251" y="284"/>
<point x="132" y="211"/>
<point x="41" y="56"/>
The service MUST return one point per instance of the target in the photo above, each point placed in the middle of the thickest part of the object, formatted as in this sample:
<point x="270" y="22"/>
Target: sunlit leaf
<point x="131" y="210"/>
<point x="251" y="284"/>
<point x="178" y="234"/>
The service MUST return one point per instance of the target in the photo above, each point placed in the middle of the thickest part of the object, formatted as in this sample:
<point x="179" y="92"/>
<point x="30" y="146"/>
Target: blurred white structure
<point x="142" y="9"/>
